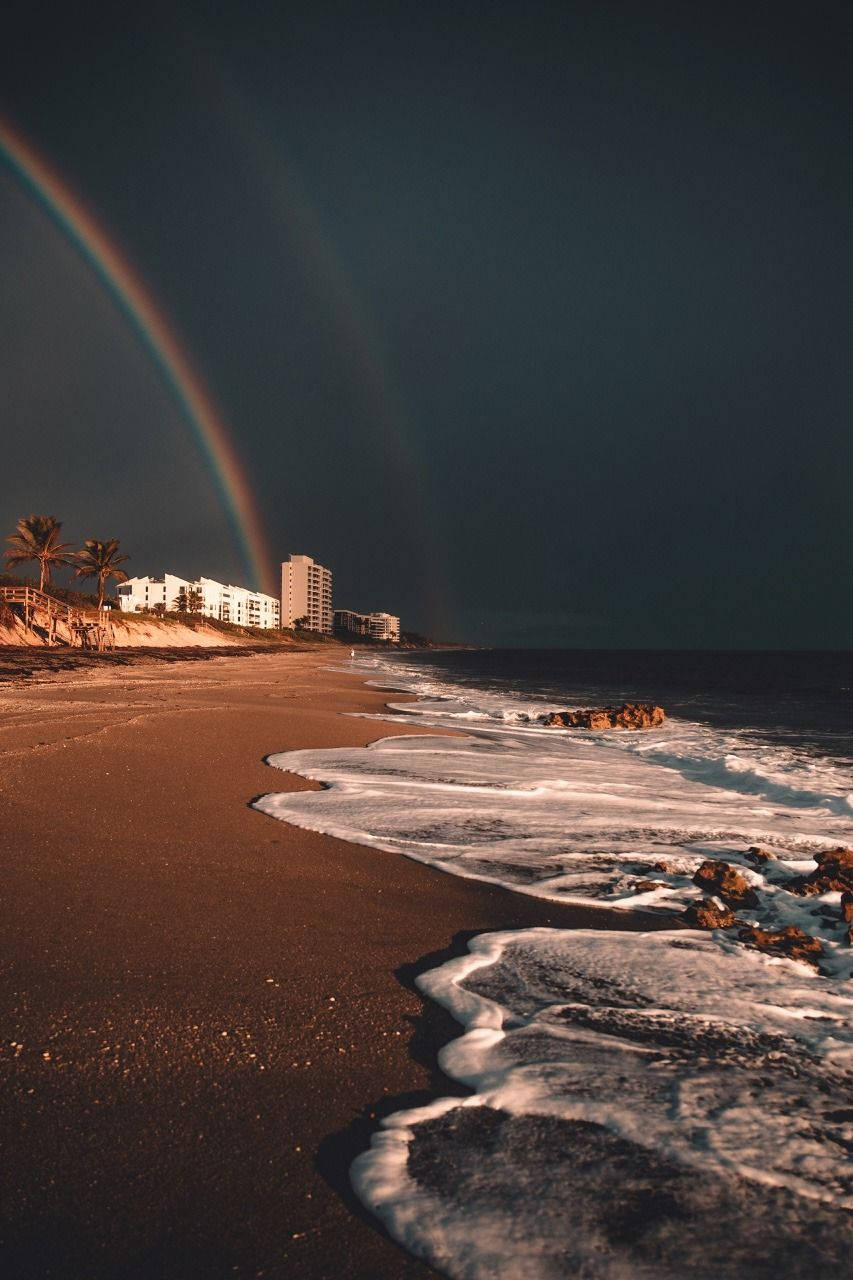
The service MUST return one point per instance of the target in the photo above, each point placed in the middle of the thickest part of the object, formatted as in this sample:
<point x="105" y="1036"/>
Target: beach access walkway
<point x="55" y="622"/>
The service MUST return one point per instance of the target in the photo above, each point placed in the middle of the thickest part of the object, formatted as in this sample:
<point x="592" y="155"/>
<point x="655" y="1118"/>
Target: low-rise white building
<point x="306" y="592"/>
<point x="210" y="598"/>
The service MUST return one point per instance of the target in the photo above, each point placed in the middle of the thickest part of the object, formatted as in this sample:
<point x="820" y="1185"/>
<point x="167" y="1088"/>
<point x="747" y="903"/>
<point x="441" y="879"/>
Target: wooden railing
<point x="85" y="630"/>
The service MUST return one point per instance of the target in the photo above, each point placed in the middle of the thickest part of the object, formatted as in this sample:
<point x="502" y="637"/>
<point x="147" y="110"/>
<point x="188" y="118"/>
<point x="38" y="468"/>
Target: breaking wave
<point x="639" y="1100"/>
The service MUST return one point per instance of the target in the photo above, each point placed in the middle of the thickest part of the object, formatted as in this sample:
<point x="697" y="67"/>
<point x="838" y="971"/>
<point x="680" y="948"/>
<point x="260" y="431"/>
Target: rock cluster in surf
<point x="631" y="715"/>
<point x="729" y="889"/>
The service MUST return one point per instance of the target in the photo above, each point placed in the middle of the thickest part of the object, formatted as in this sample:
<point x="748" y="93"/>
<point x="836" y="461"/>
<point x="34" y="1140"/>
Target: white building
<point x="384" y="626"/>
<point x="379" y="626"/>
<point x="306" y="592"/>
<point x="216" y="599"/>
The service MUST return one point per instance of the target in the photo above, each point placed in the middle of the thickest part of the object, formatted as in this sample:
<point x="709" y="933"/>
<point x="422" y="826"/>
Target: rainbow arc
<point x="147" y="319"/>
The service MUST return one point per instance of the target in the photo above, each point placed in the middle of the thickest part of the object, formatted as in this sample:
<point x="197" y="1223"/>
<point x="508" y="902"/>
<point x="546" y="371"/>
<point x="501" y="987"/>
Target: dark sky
<point x="533" y="321"/>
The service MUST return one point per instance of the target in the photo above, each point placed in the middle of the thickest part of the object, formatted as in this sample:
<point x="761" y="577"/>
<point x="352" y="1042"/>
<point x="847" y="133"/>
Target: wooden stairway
<point x="43" y="615"/>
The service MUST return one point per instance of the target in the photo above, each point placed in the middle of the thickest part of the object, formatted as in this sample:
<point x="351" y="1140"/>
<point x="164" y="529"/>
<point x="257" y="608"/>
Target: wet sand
<point x="206" y="1011"/>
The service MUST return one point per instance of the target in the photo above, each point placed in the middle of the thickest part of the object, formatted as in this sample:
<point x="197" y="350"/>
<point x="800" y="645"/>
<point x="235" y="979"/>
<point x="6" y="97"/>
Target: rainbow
<point x="140" y="308"/>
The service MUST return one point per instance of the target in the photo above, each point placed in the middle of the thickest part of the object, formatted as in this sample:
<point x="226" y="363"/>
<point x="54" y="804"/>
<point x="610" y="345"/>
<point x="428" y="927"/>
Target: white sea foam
<point x="584" y="816"/>
<point x="623" y="1083"/>
<point x="711" y="1082"/>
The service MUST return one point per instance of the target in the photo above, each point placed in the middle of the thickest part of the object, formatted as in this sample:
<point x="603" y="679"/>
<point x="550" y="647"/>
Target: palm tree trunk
<point x="42" y="571"/>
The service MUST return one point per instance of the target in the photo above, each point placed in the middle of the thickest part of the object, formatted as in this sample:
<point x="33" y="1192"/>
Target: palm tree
<point x="100" y="560"/>
<point x="37" y="538"/>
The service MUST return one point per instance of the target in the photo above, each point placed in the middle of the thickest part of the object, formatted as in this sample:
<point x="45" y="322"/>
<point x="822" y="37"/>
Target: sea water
<point x="639" y="1101"/>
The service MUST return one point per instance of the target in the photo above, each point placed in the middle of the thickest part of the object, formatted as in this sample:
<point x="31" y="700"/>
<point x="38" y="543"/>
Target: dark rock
<point x="840" y="855"/>
<point x="833" y="874"/>
<point x="646" y="886"/>
<point x="847" y="907"/>
<point x="726" y="883"/>
<point x="758" y="854"/>
<point x="790" y="942"/>
<point x="708" y="914"/>
<point x="631" y="715"/>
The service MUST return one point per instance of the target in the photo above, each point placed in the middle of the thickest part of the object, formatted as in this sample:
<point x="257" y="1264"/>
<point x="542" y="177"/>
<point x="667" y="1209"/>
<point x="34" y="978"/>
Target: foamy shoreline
<point x="202" y="1021"/>
<point x="761" y="1155"/>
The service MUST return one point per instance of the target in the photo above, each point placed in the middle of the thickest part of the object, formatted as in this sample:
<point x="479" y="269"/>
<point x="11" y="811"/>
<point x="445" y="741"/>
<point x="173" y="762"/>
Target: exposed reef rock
<point x="708" y="914"/>
<point x="758" y="854"/>
<point x="726" y="883"/>
<point x="790" y="942"/>
<point x="631" y="715"/>
<point x="834" y="874"/>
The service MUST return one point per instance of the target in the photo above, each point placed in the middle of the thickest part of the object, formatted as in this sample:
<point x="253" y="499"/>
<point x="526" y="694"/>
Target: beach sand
<point x="206" y="1011"/>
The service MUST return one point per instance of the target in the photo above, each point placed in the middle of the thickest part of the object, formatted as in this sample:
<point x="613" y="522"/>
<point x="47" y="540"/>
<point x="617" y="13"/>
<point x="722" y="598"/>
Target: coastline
<point x="208" y="1011"/>
<point x="19" y="663"/>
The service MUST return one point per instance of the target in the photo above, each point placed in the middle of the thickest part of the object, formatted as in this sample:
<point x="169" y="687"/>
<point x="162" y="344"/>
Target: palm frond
<point x="37" y="538"/>
<point x="100" y="560"/>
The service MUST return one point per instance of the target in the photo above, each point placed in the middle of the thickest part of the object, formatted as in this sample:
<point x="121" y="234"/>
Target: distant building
<point x="306" y="592"/>
<point x="379" y="626"/>
<point x="354" y="624"/>
<point x="384" y="626"/>
<point x="216" y="599"/>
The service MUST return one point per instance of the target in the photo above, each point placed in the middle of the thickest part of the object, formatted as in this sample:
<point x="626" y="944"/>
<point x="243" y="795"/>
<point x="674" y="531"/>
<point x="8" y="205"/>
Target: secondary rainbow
<point x="147" y="319"/>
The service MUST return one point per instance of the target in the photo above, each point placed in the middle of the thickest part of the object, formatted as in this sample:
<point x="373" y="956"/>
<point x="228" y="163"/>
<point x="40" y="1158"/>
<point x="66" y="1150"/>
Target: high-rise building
<point x="306" y="592"/>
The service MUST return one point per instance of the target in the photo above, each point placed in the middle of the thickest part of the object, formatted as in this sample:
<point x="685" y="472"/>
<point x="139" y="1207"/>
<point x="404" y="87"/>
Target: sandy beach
<point x="206" y="1011"/>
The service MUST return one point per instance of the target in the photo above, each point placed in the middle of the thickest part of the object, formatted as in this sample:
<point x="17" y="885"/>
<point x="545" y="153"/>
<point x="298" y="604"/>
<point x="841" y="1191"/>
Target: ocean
<point x="638" y="1100"/>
